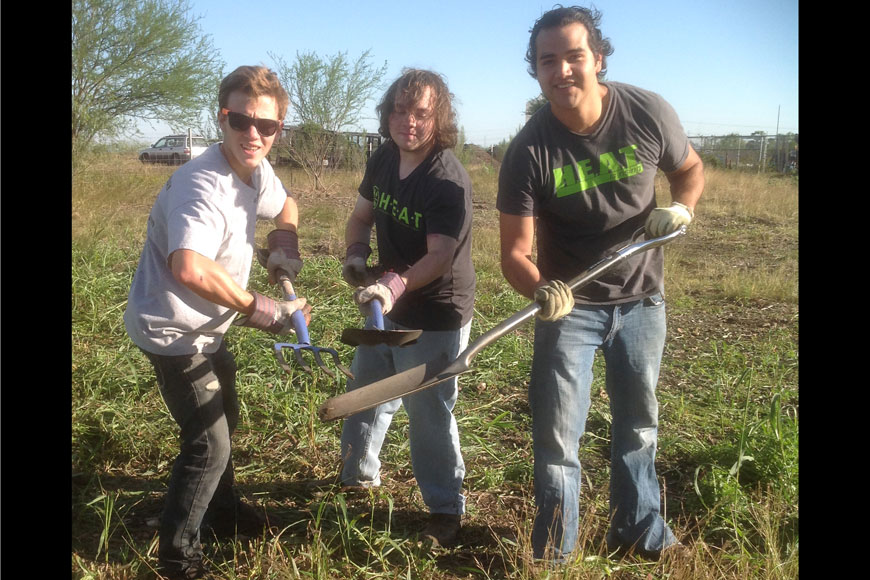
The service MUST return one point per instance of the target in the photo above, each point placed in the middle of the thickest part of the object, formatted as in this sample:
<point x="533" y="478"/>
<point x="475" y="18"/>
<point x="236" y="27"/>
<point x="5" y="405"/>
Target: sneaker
<point x="245" y="522"/>
<point x="442" y="530"/>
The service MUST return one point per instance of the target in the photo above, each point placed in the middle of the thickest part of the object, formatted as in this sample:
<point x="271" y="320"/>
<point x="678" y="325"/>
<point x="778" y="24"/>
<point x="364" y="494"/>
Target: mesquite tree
<point x="138" y="59"/>
<point x="327" y="96"/>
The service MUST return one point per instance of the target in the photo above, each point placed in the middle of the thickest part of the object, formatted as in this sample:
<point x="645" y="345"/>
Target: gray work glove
<point x="387" y="289"/>
<point x="556" y="300"/>
<point x="282" y="253"/>
<point x="665" y="220"/>
<point x="271" y="315"/>
<point x="354" y="268"/>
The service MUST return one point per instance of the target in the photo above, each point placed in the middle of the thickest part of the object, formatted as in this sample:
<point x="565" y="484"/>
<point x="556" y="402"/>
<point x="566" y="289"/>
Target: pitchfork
<point x="304" y="343"/>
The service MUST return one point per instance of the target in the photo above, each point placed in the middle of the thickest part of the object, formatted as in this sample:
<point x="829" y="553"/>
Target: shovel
<point x="304" y="343"/>
<point x="374" y="333"/>
<point x="439" y="370"/>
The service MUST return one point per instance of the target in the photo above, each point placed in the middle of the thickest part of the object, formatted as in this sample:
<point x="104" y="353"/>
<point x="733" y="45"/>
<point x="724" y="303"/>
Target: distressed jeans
<point x="631" y="337"/>
<point x="200" y="392"/>
<point x="434" y="438"/>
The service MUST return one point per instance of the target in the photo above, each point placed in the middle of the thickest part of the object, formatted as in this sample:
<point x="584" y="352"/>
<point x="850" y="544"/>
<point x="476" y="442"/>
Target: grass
<point x="728" y="395"/>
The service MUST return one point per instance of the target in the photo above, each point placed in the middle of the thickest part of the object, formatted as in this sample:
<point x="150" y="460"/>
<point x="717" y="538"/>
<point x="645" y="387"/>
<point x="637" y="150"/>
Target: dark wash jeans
<point x="200" y="392"/>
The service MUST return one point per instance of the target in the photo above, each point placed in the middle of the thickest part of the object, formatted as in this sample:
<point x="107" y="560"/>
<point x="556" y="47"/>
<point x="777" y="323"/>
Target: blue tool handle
<point x="298" y="318"/>
<point x="377" y="314"/>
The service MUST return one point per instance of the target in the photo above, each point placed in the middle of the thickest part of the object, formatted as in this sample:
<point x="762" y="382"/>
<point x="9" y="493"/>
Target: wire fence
<point x="755" y="152"/>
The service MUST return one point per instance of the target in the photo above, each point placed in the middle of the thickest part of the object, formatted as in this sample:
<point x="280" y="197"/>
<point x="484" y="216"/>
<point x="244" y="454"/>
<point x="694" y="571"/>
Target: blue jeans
<point x="434" y="437"/>
<point x="631" y="337"/>
<point x="200" y="392"/>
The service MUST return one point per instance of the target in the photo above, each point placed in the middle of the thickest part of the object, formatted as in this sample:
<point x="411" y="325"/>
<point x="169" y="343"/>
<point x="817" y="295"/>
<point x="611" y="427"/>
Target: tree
<point x="138" y="59"/>
<point x="533" y="104"/>
<point x="463" y="153"/>
<point x="326" y="97"/>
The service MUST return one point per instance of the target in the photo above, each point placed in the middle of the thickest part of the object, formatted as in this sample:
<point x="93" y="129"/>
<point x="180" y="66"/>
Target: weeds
<point x="728" y="394"/>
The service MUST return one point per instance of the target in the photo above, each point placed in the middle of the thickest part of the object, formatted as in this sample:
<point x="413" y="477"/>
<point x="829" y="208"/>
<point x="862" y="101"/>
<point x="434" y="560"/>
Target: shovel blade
<point x="396" y="386"/>
<point x="373" y="336"/>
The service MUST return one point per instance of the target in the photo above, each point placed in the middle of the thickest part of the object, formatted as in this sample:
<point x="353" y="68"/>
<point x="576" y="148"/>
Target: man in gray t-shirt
<point x="189" y="285"/>
<point x="579" y="179"/>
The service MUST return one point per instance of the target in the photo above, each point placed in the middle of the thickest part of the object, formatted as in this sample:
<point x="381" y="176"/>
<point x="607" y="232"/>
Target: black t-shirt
<point x="591" y="193"/>
<point x="434" y="199"/>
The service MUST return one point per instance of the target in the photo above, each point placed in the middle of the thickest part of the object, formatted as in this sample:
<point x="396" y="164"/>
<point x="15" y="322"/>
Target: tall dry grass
<point x="728" y="401"/>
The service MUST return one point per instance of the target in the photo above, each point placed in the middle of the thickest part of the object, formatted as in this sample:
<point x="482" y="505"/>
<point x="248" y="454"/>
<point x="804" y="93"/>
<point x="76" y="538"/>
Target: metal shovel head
<point x="372" y="336"/>
<point x="439" y="370"/>
<point x="392" y="387"/>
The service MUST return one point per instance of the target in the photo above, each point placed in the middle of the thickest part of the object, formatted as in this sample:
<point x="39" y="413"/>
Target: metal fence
<point x="756" y="152"/>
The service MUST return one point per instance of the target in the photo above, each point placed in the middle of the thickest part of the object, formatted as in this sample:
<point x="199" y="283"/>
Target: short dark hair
<point x="561" y="16"/>
<point x="411" y="85"/>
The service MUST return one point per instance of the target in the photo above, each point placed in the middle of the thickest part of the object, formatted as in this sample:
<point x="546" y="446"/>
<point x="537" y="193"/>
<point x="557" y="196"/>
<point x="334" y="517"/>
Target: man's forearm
<point x="522" y="274"/>
<point x="209" y="280"/>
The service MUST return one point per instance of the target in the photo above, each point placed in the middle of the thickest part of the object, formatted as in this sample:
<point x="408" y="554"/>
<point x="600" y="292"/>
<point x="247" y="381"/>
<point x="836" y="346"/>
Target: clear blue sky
<point x="725" y="66"/>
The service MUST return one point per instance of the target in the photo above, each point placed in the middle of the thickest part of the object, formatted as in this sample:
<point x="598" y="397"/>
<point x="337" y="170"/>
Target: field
<point x="728" y="395"/>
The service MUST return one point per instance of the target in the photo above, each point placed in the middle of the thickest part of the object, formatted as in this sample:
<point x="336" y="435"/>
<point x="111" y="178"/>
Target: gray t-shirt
<point x="203" y="207"/>
<point x="591" y="193"/>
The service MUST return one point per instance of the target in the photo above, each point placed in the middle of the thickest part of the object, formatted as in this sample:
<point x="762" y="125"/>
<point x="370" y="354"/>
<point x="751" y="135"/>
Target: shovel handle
<point x="377" y="313"/>
<point x="298" y="318"/>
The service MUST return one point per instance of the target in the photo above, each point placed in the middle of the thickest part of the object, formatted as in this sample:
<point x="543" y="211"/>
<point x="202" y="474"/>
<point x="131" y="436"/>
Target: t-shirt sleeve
<point x="273" y="195"/>
<point x="445" y="209"/>
<point x="365" y="186"/>
<point x="516" y="182"/>
<point x="196" y="225"/>
<point x="675" y="143"/>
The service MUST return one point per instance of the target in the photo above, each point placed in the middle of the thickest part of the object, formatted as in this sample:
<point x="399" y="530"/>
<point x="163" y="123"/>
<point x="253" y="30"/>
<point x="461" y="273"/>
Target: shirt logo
<point x="386" y="204"/>
<point x="576" y="177"/>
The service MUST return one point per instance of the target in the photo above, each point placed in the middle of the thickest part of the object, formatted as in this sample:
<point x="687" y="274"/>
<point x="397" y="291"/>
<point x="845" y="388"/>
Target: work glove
<point x="387" y="290"/>
<point x="665" y="220"/>
<point x="282" y="253"/>
<point x="271" y="315"/>
<point x="354" y="268"/>
<point x="556" y="300"/>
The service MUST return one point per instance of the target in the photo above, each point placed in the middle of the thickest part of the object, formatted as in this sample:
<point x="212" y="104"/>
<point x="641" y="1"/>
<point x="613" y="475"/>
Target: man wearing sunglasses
<point x="190" y="284"/>
<point x="417" y="196"/>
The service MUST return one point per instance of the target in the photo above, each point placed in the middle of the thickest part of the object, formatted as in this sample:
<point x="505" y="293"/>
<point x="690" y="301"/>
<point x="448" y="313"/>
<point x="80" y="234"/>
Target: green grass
<point x="728" y="394"/>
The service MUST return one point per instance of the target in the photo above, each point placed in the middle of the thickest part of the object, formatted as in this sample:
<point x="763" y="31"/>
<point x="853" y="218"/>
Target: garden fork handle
<point x="376" y="314"/>
<point x="297" y="317"/>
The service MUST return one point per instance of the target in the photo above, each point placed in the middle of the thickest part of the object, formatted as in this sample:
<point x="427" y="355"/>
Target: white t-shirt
<point x="207" y="208"/>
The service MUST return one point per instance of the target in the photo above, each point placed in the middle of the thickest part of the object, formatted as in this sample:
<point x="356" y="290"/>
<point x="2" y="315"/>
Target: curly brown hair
<point x="254" y="81"/>
<point x="409" y="87"/>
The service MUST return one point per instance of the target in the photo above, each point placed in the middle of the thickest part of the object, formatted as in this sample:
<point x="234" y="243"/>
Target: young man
<point x="188" y="287"/>
<point x="417" y="195"/>
<point x="580" y="176"/>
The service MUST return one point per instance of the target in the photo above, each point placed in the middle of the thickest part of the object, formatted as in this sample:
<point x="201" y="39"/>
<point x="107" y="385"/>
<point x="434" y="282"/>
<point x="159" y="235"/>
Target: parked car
<point x="174" y="149"/>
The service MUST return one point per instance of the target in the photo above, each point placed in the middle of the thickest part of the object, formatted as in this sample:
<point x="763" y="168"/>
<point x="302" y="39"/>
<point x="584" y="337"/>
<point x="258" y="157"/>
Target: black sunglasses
<point x="240" y="122"/>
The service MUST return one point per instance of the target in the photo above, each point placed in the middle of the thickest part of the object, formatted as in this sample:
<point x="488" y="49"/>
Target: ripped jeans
<point x="631" y="337"/>
<point x="200" y="392"/>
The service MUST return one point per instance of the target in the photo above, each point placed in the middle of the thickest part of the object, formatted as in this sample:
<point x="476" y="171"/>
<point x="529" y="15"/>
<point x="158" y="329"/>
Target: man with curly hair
<point x="417" y="196"/>
<point x="578" y="181"/>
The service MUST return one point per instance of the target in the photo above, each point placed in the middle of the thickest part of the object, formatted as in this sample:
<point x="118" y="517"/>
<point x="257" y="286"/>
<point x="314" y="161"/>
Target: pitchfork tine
<point x="304" y="340"/>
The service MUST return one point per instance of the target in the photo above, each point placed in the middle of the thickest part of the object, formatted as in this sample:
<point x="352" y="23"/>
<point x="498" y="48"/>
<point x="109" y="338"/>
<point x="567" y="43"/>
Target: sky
<point x="725" y="66"/>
